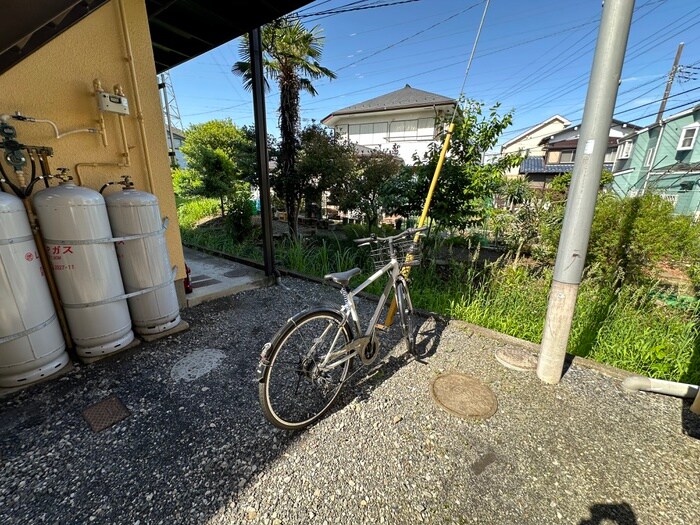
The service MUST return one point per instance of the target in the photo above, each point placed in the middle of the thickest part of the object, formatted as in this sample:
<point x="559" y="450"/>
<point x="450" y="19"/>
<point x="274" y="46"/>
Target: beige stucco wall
<point x="56" y="83"/>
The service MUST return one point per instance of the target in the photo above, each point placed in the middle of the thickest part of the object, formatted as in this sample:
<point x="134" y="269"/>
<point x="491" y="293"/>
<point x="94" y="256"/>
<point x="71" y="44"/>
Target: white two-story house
<point x="405" y="119"/>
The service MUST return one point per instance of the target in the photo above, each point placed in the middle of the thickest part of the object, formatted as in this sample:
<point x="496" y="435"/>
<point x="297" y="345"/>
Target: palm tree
<point x="290" y="57"/>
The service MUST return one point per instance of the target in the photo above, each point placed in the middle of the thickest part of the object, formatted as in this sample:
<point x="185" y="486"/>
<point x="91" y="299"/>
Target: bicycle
<point x="303" y="367"/>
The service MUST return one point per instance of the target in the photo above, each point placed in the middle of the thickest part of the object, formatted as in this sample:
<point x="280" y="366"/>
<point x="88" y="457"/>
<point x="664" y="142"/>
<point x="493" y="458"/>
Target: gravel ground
<point x="196" y="449"/>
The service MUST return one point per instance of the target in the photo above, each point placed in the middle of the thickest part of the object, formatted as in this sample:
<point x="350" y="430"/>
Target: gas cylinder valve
<point x="63" y="176"/>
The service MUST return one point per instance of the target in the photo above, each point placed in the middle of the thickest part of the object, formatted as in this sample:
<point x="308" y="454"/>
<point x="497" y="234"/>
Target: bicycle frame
<point x="393" y="270"/>
<point x="349" y="312"/>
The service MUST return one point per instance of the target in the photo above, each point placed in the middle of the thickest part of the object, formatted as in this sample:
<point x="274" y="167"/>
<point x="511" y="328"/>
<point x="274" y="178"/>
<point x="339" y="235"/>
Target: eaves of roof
<point x="573" y="143"/>
<point x="535" y="128"/>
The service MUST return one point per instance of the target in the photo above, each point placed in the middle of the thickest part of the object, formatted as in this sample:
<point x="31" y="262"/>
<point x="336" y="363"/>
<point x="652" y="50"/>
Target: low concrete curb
<point x="610" y="371"/>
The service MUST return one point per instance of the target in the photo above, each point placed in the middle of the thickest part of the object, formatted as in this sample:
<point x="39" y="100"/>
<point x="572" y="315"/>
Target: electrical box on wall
<point x="112" y="103"/>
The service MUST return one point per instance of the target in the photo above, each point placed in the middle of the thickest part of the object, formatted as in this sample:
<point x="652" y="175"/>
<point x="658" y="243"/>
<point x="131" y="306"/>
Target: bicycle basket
<point x="406" y="251"/>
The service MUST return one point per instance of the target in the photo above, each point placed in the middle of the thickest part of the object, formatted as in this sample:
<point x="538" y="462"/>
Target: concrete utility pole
<point x="578" y="217"/>
<point x="669" y="83"/>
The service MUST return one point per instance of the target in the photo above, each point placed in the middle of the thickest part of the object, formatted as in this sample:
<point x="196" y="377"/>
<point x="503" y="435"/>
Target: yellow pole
<point x="388" y="321"/>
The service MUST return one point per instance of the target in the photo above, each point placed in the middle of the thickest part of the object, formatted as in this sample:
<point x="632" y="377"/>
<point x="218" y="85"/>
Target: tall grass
<point x="624" y="327"/>
<point x="191" y="211"/>
<point x="647" y="337"/>
<point x="507" y="299"/>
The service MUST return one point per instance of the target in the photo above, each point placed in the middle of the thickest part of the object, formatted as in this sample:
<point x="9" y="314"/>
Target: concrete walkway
<point x="191" y="445"/>
<point x="213" y="277"/>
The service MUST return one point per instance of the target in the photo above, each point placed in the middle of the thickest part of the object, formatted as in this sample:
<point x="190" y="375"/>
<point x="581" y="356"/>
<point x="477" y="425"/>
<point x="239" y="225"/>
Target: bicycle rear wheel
<point x="405" y="309"/>
<point x="295" y="390"/>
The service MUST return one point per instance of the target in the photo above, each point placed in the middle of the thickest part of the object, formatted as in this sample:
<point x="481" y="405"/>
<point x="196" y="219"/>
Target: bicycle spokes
<point x="303" y="380"/>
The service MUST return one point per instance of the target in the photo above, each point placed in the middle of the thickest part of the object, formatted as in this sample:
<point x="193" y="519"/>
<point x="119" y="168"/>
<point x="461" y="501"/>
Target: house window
<point x="567" y="156"/>
<point x="380" y="130"/>
<point x="373" y="133"/>
<point x="649" y="156"/>
<point x="403" y="130"/>
<point x="624" y="150"/>
<point x="426" y="129"/>
<point x="610" y="155"/>
<point x="553" y="157"/>
<point x="688" y="136"/>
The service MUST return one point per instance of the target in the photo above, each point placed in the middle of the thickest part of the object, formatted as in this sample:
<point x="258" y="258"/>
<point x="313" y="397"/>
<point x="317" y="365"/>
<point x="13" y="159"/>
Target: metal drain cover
<point x="516" y="359"/>
<point x="463" y="396"/>
<point x="105" y="413"/>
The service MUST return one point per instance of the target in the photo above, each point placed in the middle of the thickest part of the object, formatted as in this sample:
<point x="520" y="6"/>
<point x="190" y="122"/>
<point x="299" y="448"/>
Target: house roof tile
<point x="404" y="98"/>
<point x="537" y="165"/>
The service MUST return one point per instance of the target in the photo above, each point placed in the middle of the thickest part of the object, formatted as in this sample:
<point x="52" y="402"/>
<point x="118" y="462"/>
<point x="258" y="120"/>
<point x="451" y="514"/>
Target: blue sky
<point x="533" y="57"/>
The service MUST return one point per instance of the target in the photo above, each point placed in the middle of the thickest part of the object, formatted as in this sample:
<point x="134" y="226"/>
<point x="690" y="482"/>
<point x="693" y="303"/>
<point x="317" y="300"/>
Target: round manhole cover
<point x="516" y="359"/>
<point x="464" y="396"/>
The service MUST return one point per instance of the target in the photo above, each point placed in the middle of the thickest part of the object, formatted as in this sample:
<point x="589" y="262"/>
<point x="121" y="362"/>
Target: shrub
<point x="239" y="211"/>
<point x="636" y="234"/>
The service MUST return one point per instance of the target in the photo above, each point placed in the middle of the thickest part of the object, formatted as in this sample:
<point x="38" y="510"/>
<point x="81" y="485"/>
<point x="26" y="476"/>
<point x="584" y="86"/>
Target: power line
<point x="668" y="109"/>
<point x="616" y="113"/>
<point x="582" y="79"/>
<point x="586" y="48"/>
<point x="408" y="37"/>
<point x="471" y="56"/>
<point x="323" y="14"/>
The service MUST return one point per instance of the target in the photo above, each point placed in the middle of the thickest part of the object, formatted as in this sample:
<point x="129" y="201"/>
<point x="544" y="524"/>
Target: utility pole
<point x="578" y="217"/>
<point x="669" y="83"/>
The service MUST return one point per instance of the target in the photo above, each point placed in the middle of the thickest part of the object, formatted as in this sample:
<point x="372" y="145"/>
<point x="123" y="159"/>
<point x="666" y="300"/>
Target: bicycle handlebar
<point x="405" y="233"/>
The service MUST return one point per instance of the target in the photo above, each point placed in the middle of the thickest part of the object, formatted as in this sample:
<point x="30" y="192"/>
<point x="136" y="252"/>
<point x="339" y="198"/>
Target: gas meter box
<point x="112" y="103"/>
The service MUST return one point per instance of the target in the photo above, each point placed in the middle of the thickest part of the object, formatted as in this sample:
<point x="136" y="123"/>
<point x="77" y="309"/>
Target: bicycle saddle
<point x="342" y="278"/>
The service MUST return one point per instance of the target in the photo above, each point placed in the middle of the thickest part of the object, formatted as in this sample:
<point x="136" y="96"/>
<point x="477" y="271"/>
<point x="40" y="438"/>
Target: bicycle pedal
<point x="381" y="327"/>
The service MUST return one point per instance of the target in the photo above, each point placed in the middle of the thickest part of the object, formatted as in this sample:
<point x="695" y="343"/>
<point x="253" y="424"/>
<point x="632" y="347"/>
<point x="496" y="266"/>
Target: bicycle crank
<point x="369" y="353"/>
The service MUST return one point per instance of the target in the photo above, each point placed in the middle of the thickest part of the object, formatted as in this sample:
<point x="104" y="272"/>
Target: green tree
<point x="324" y="160"/>
<point x="400" y="195"/>
<point x="219" y="156"/>
<point x="362" y="189"/>
<point x="290" y="58"/>
<point x="515" y="192"/>
<point x="218" y="175"/>
<point x="635" y="234"/>
<point x="466" y="187"/>
<point x="215" y="149"/>
<point x="562" y="181"/>
<point x="186" y="183"/>
<point x="237" y="143"/>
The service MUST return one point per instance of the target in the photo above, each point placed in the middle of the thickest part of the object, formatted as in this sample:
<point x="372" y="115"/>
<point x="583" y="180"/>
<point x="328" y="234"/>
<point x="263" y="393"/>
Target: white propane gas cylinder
<point x="144" y="260"/>
<point x="31" y="341"/>
<point x="75" y="227"/>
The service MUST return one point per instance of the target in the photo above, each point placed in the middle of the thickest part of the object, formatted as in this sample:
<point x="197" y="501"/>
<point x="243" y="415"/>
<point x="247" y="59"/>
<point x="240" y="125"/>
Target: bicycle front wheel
<point x="299" y="385"/>
<point x="405" y="309"/>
